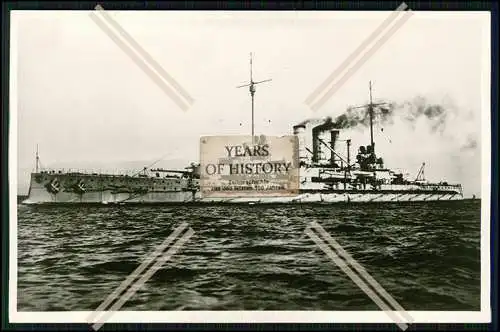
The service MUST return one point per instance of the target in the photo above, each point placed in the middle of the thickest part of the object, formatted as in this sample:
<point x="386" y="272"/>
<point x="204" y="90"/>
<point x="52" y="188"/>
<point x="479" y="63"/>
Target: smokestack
<point x="348" y="155"/>
<point x="298" y="128"/>
<point x="315" y="142"/>
<point x="299" y="131"/>
<point x="325" y="126"/>
<point x="333" y="140"/>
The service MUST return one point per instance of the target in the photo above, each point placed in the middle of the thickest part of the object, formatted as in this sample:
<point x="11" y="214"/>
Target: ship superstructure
<point x="327" y="175"/>
<point x="358" y="176"/>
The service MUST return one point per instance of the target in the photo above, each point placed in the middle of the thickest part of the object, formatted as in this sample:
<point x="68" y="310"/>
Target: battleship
<point x="325" y="175"/>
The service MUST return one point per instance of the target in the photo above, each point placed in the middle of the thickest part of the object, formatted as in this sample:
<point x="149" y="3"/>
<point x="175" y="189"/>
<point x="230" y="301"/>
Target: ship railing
<point x="101" y="172"/>
<point x="442" y="186"/>
<point x="437" y="187"/>
<point x="78" y="171"/>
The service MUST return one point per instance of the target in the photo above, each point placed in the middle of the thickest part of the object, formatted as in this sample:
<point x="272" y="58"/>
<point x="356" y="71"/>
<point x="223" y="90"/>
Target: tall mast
<point x="371" y="106"/>
<point x="251" y="86"/>
<point x="252" y="93"/>
<point x="348" y="155"/>
<point x="37" y="160"/>
<point x="370" y="110"/>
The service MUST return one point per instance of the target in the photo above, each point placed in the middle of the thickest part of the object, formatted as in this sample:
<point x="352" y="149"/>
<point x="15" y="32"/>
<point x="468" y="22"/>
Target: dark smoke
<point x="326" y="125"/>
<point x="355" y="117"/>
<point x="419" y="107"/>
<point x="411" y="111"/>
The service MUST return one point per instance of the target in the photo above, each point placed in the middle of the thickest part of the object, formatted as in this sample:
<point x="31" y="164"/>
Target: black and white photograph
<point x="249" y="166"/>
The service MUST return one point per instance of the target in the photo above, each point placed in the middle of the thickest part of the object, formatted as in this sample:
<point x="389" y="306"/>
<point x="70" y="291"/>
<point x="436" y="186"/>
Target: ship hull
<point x="338" y="198"/>
<point x="107" y="196"/>
<point x="46" y="188"/>
<point x="158" y="198"/>
<point x="109" y="189"/>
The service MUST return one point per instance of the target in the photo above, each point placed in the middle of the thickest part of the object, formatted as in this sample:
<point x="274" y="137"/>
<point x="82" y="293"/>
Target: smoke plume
<point x="441" y="119"/>
<point x="410" y="111"/>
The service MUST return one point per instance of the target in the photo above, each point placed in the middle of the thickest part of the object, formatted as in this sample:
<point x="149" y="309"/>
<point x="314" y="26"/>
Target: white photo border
<point x="482" y="316"/>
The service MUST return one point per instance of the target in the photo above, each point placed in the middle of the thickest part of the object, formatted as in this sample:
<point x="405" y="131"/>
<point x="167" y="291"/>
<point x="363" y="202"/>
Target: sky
<point x="88" y="105"/>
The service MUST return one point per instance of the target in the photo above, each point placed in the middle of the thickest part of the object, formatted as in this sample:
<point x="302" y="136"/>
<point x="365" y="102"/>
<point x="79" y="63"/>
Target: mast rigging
<point x="371" y="107"/>
<point x="37" y="159"/>
<point x="251" y="86"/>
